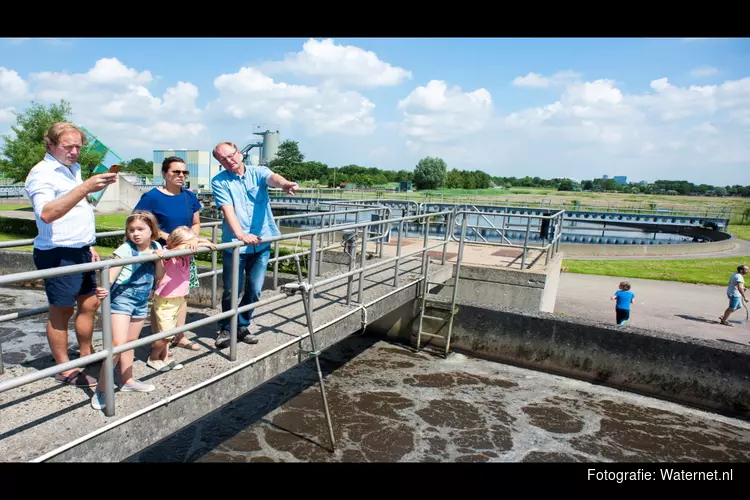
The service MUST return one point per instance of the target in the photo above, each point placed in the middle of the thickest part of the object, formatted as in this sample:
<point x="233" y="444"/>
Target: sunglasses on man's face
<point x="177" y="172"/>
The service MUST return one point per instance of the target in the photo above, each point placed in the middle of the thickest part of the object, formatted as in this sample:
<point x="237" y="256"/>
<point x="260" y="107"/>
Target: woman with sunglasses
<point x="174" y="206"/>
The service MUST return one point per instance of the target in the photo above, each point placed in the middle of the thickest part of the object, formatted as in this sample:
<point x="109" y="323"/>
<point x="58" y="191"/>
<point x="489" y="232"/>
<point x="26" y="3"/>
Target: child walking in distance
<point x="171" y="292"/>
<point x="130" y="290"/>
<point x="624" y="298"/>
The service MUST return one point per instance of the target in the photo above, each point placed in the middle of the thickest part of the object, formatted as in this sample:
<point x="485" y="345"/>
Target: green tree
<point x="27" y="148"/>
<point x="453" y="179"/>
<point x="288" y="160"/>
<point x="140" y="166"/>
<point x="430" y="173"/>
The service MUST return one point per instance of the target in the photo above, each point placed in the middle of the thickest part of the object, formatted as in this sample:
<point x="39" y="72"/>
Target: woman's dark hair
<point x="168" y="161"/>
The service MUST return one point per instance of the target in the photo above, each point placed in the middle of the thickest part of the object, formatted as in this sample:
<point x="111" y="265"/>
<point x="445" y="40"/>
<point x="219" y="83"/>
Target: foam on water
<point x="389" y="403"/>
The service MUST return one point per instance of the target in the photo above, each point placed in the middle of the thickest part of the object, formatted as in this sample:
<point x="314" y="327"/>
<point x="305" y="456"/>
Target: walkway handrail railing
<point x="550" y="248"/>
<point x="102" y="268"/>
<point x="215" y="270"/>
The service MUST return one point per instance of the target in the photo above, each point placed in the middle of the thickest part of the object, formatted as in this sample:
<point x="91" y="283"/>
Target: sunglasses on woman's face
<point x="177" y="172"/>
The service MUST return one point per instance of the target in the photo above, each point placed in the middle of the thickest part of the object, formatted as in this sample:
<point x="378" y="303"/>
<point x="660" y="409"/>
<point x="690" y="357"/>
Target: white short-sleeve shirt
<point x="47" y="181"/>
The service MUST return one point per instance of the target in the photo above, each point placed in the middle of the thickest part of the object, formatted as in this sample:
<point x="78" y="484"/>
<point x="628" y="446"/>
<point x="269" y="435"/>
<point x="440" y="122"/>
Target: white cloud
<point x="702" y="71"/>
<point x="113" y="101"/>
<point x="435" y="113"/>
<point x="251" y="94"/>
<point x="7" y="116"/>
<point x="535" y="80"/>
<point x="346" y="65"/>
<point x="13" y="88"/>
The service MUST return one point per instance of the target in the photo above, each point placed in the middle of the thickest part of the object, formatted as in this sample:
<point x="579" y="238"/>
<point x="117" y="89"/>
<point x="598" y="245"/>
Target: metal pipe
<point x="526" y="242"/>
<point x="24" y="314"/>
<point x="362" y="260"/>
<point x="51" y="371"/>
<point x="233" y="302"/>
<point x="376" y="265"/>
<point x="108" y="367"/>
<point x="398" y="252"/>
<point x="214" y="268"/>
<point x="276" y="264"/>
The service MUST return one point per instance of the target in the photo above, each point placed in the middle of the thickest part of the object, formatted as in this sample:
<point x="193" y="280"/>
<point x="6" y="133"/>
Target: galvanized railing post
<point x="322" y="245"/>
<point x="2" y="366"/>
<point x="214" y="269"/>
<point x="448" y="234"/>
<point x="398" y="253"/>
<point x="362" y="260"/>
<point x="425" y="243"/>
<point x="526" y="241"/>
<point x="275" y="265"/>
<point x="235" y="293"/>
<point x="108" y="367"/>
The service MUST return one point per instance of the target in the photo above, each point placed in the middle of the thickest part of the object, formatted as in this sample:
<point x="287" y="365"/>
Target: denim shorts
<point x="64" y="290"/>
<point x="734" y="302"/>
<point x="131" y="301"/>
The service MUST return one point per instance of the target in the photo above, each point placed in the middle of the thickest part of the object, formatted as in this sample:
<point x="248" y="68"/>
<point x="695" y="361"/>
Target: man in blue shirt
<point x="241" y="193"/>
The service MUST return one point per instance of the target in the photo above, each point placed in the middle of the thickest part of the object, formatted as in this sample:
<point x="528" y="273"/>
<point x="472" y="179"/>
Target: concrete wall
<point x="122" y="196"/>
<point x="526" y="289"/>
<point x="707" y="374"/>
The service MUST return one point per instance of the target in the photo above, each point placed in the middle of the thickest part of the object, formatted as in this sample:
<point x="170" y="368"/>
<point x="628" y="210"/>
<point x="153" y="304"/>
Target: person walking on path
<point x="735" y="293"/>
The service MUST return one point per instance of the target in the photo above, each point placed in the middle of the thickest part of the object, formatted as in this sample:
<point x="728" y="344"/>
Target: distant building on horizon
<point x="621" y="179"/>
<point x="198" y="163"/>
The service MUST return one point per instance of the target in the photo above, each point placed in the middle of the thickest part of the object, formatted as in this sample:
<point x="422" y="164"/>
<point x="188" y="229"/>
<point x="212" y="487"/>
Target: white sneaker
<point x="158" y="364"/>
<point x="97" y="400"/>
<point x="137" y="386"/>
<point x="173" y="364"/>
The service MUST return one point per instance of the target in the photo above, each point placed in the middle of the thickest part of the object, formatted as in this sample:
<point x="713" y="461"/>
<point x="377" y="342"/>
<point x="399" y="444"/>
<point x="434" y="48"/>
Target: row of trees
<point x="20" y="153"/>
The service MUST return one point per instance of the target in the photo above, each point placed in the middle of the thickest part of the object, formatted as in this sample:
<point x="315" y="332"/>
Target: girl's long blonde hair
<point x="179" y="236"/>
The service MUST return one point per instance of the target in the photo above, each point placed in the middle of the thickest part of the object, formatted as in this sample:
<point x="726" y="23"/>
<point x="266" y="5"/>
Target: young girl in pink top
<point x="171" y="292"/>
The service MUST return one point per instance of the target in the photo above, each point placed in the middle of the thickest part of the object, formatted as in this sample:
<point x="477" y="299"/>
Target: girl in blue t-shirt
<point x="130" y="291"/>
<point x="624" y="298"/>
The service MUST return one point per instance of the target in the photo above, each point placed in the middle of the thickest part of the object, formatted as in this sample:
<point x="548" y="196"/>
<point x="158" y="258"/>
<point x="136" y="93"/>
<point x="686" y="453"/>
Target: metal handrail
<point x="102" y="267"/>
<point x="550" y="248"/>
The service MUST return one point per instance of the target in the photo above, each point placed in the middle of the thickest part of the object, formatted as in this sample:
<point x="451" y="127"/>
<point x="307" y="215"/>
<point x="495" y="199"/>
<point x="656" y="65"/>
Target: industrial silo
<point x="270" y="146"/>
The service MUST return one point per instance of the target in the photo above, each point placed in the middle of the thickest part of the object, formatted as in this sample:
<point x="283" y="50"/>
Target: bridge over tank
<point x="696" y="218"/>
<point x="345" y="290"/>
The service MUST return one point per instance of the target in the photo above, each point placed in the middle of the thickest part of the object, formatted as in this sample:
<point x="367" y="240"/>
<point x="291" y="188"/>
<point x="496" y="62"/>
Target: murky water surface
<point x="391" y="404"/>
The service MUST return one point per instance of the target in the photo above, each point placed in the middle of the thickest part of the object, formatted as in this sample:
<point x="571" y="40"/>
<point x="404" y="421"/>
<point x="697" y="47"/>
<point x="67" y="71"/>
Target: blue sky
<point x="646" y="108"/>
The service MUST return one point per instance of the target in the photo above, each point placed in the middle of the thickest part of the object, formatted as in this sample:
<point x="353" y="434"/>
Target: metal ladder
<point x="438" y="302"/>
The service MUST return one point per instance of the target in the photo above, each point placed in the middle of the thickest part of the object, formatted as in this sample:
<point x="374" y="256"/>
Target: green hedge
<point x="26" y="229"/>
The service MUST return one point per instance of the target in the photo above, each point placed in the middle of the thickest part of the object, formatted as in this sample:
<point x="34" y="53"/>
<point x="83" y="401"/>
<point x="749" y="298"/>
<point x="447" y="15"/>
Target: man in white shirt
<point x="735" y="292"/>
<point x="65" y="221"/>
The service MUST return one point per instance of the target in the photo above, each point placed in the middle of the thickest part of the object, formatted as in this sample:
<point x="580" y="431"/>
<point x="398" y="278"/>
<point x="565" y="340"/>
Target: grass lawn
<point x="742" y="232"/>
<point x="703" y="271"/>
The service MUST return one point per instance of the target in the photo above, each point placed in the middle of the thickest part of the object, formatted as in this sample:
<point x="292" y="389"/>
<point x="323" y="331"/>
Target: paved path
<point x="680" y="308"/>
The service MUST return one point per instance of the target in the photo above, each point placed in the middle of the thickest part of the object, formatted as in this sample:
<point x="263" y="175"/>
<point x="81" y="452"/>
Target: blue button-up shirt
<point x="248" y="194"/>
